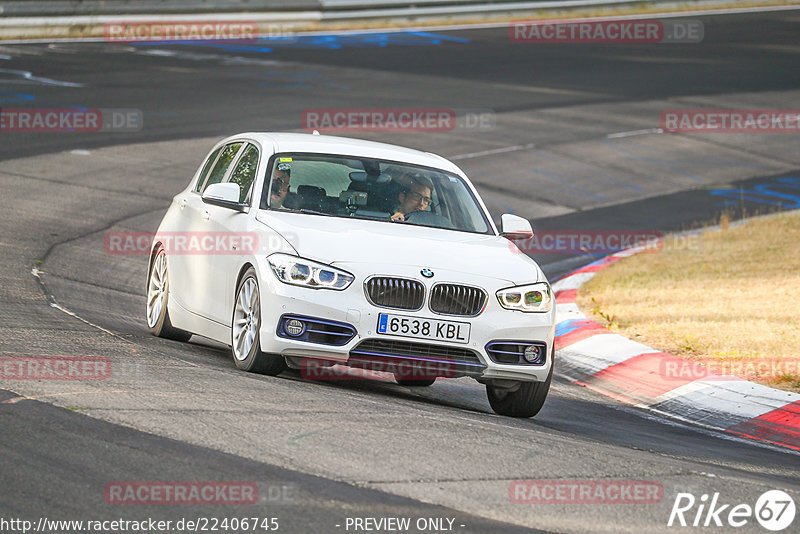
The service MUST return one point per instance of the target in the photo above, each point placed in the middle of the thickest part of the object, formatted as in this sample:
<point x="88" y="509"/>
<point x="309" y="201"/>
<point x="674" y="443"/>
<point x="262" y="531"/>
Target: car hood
<point x="342" y="241"/>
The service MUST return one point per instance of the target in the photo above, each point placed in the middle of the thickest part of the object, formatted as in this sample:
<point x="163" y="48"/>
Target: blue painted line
<point x="6" y="97"/>
<point x="210" y="44"/>
<point x="764" y="194"/>
<point x="265" y="45"/>
<point x="440" y="37"/>
<point x="570" y="325"/>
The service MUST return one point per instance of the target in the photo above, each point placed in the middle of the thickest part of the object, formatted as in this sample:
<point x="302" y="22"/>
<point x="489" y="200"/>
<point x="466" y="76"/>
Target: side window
<point x="223" y="162"/>
<point x="244" y="174"/>
<point x="209" y="162"/>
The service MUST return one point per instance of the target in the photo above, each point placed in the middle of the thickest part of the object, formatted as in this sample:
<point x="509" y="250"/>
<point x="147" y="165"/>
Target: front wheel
<point x="158" y="298"/>
<point x="526" y="401"/>
<point x="246" y="328"/>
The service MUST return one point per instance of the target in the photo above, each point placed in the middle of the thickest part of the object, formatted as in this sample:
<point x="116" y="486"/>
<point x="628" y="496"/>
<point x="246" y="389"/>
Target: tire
<point x="246" y="328"/>
<point x="410" y="382"/>
<point x="156" y="311"/>
<point x="524" y="402"/>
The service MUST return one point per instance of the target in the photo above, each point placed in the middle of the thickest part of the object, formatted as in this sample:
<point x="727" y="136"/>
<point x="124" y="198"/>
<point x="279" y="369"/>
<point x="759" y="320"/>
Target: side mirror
<point x="224" y="195"/>
<point x="514" y="227"/>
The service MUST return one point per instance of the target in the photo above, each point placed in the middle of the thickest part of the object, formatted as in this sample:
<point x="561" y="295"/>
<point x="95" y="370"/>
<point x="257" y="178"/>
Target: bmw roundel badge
<point x="427" y="273"/>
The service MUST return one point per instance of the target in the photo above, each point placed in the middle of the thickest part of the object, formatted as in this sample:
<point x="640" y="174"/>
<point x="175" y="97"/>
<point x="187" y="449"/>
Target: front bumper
<point x="351" y="307"/>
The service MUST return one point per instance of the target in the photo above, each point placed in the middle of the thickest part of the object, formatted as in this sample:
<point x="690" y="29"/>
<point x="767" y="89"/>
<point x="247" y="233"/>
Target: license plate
<point x="405" y="326"/>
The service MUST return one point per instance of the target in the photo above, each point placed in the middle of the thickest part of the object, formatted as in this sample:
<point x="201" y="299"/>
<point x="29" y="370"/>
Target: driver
<point x="280" y="185"/>
<point x="415" y="197"/>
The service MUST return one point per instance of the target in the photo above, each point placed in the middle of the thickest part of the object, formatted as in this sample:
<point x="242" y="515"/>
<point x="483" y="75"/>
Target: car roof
<point x="329" y="144"/>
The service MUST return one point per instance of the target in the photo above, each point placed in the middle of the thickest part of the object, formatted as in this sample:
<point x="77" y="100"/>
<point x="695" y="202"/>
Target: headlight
<point x="530" y="298"/>
<point x="302" y="272"/>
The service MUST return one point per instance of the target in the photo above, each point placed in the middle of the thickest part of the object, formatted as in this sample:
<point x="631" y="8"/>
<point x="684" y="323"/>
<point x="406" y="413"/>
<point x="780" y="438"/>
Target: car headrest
<point x="311" y="192"/>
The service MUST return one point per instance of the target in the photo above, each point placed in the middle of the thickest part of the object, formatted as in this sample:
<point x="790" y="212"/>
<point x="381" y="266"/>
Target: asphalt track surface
<point x="181" y="412"/>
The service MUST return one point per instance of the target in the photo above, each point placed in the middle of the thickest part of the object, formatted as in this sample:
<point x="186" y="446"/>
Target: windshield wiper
<point x="412" y="223"/>
<point x="311" y="212"/>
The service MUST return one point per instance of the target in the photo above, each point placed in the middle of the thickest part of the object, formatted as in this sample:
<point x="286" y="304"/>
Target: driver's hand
<point x="398" y="217"/>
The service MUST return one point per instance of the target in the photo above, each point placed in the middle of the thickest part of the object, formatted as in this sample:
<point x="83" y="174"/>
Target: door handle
<point x="206" y="215"/>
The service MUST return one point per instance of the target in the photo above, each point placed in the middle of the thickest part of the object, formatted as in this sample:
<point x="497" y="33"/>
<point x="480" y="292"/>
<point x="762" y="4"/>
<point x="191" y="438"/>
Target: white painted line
<point x="627" y="253"/>
<point x="681" y="422"/>
<point x="28" y="77"/>
<point x="685" y="389"/>
<point x="722" y="403"/>
<point x="601" y="351"/>
<point x="492" y="151"/>
<point x="758" y="399"/>
<point x="568" y="311"/>
<point x="573" y="281"/>
<point x="610" y="347"/>
<point x="635" y="132"/>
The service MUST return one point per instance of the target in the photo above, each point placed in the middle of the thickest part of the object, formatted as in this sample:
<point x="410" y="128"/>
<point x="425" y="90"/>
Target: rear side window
<point x="221" y="166"/>
<point x="244" y="174"/>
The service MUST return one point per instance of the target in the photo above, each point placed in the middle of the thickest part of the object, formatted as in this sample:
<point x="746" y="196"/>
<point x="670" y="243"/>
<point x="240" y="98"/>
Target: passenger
<point x="280" y="185"/>
<point x="415" y="197"/>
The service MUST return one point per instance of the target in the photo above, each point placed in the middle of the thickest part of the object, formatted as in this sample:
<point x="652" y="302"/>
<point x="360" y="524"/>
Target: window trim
<point x="216" y="151"/>
<point x="230" y="166"/>
<point x="235" y="163"/>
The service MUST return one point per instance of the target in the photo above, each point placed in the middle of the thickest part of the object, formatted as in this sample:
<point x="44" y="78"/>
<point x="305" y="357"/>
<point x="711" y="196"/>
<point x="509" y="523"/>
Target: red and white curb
<point x="637" y="374"/>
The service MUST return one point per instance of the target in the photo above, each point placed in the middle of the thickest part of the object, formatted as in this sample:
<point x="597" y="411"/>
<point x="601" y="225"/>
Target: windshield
<point x="365" y="188"/>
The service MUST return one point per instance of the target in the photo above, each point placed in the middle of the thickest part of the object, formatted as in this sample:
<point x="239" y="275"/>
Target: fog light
<point x="532" y="353"/>
<point x="295" y="327"/>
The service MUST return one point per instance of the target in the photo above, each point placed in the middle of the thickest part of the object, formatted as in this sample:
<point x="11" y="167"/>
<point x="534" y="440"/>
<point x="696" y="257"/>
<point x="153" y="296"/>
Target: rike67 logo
<point x="774" y="510"/>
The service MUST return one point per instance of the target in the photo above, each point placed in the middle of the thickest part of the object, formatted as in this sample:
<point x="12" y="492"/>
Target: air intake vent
<point x="397" y="293"/>
<point x="449" y="361"/>
<point x="453" y="299"/>
<point x="517" y="352"/>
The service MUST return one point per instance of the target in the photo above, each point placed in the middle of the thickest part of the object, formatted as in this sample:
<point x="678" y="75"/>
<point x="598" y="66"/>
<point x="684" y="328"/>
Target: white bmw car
<point x="309" y="251"/>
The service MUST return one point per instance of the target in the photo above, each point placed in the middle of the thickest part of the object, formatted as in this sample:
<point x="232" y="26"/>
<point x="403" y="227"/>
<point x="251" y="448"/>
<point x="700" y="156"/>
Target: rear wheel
<point x="525" y="401"/>
<point x="158" y="298"/>
<point x="246" y="327"/>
